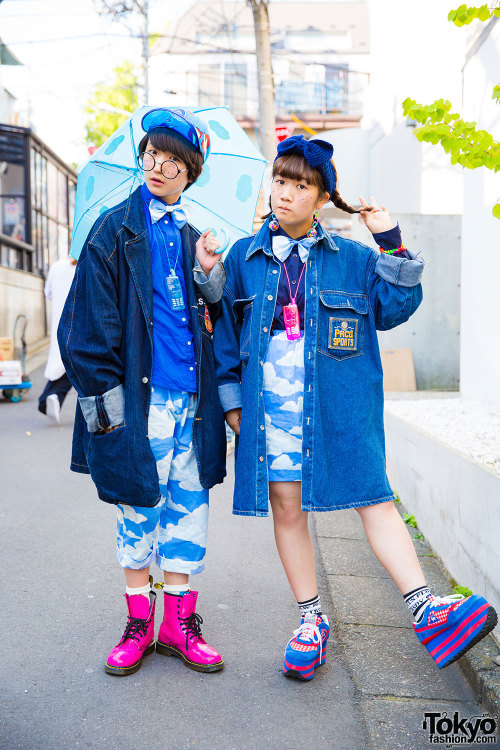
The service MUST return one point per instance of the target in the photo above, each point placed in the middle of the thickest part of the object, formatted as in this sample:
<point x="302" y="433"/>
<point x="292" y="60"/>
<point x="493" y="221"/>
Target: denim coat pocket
<point x="110" y="457"/>
<point x="342" y="319"/>
<point x="243" y="313"/>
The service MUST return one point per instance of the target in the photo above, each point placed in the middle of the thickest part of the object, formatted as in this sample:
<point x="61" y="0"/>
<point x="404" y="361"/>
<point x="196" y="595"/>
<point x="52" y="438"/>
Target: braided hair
<point x="295" y="167"/>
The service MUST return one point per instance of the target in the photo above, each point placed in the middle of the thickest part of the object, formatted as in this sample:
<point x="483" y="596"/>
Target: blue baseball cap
<point x="184" y="123"/>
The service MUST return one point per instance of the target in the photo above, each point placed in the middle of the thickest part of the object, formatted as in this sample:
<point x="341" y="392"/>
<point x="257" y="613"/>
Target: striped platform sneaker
<point x="306" y="650"/>
<point x="451" y="625"/>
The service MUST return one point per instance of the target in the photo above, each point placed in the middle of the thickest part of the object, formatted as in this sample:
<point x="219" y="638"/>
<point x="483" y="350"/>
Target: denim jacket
<point x="348" y="285"/>
<point x="106" y="343"/>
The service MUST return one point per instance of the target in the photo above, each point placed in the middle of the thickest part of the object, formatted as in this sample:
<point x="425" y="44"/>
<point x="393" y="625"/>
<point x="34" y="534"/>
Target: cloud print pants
<point x="174" y="532"/>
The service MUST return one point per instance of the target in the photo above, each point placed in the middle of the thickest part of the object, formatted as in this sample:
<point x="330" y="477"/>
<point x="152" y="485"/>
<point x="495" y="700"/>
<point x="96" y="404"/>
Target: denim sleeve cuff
<point x="212" y="285"/>
<point x="230" y="396"/>
<point x="104" y="411"/>
<point x="400" y="271"/>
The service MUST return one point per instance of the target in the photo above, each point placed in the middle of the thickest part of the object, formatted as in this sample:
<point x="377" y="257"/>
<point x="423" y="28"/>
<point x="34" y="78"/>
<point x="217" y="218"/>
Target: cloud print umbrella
<point x="224" y="197"/>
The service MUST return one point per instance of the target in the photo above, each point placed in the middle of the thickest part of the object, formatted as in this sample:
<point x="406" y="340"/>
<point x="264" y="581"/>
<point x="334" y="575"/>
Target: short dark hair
<point x="165" y="139"/>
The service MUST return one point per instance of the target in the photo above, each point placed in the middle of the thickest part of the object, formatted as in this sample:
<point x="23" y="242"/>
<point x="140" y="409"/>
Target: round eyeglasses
<point x="169" y="168"/>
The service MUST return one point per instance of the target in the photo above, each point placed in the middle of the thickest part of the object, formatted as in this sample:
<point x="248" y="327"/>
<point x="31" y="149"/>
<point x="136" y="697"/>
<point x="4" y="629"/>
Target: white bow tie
<point x="282" y="247"/>
<point x="158" y="210"/>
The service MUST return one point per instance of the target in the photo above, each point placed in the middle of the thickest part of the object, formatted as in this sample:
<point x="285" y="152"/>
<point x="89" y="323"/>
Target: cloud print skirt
<point x="283" y="399"/>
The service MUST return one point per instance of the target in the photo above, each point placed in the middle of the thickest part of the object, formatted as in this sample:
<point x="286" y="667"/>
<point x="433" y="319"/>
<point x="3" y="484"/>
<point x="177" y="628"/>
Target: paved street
<point x="63" y="610"/>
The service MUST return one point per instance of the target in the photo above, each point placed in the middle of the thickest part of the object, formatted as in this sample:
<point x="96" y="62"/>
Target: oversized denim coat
<point x="348" y="286"/>
<point x="106" y="341"/>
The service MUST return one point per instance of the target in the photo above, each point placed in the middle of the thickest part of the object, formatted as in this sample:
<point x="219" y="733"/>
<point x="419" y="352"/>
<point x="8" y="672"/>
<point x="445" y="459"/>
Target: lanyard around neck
<point x="171" y="270"/>
<point x="292" y="298"/>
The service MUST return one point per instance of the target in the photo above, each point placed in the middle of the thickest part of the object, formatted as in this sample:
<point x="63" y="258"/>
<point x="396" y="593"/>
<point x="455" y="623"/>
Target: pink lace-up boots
<point x="138" y="640"/>
<point x="180" y="634"/>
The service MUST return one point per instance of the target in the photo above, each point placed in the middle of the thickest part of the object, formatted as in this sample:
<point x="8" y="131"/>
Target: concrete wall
<point x="433" y="332"/>
<point x="21" y="292"/>
<point x="456" y="502"/>
<point x="480" y="314"/>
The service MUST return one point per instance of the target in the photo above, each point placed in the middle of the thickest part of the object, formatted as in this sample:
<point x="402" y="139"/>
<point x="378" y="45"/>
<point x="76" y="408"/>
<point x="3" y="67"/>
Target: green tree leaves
<point x="464" y="14"/>
<point x="121" y="94"/>
<point x="462" y="140"/>
<point x="467" y="145"/>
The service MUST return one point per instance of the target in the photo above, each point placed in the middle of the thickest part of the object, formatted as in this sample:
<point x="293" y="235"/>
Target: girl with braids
<point x="300" y="382"/>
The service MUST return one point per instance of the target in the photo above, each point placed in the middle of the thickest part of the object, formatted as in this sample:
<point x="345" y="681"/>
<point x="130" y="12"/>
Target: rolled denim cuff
<point x="212" y="285"/>
<point x="400" y="271"/>
<point x="101" y="412"/>
<point x="230" y="396"/>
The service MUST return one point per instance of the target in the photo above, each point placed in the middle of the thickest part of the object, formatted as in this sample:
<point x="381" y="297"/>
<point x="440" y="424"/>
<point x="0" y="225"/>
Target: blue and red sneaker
<point x="306" y="649"/>
<point x="451" y="625"/>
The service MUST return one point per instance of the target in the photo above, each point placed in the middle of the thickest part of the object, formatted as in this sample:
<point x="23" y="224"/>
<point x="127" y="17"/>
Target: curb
<point x="481" y="665"/>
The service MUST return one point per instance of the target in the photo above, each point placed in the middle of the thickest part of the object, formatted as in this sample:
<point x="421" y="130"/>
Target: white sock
<point x="142" y="590"/>
<point x="176" y="589"/>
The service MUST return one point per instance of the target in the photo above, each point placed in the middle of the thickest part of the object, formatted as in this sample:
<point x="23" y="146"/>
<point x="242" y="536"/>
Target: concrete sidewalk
<point x="66" y="610"/>
<point x="395" y="678"/>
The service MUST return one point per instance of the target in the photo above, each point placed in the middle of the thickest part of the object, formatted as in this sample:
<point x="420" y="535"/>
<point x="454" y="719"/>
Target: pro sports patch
<point x="343" y="334"/>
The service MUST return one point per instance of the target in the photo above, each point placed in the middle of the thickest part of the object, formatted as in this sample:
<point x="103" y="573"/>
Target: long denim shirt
<point x="106" y="340"/>
<point x="348" y="287"/>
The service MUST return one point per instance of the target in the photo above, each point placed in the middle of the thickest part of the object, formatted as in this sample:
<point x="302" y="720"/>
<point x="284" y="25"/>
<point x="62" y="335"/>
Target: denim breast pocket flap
<point x="341" y="325"/>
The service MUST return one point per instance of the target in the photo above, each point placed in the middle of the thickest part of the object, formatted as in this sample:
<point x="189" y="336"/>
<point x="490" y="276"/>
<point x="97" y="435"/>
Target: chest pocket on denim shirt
<point x="243" y="313"/>
<point x="342" y="319"/>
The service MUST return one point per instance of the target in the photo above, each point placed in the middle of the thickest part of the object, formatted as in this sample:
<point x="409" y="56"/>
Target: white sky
<point x="67" y="48"/>
<point x="58" y="75"/>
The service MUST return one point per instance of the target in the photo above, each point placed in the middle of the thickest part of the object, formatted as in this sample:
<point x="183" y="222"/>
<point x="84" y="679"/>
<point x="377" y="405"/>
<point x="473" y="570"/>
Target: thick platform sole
<point x="123" y="671"/>
<point x="305" y="674"/>
<point x="165" y="650"/>
<point x="489" y="624"/>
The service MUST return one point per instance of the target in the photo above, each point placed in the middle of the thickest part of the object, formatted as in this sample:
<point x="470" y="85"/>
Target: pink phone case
<point x="292" y="321"/>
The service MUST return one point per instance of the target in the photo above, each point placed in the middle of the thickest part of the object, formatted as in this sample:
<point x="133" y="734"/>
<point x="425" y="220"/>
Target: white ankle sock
<point x="179" y="588"/>
<point x="144" y="590"/>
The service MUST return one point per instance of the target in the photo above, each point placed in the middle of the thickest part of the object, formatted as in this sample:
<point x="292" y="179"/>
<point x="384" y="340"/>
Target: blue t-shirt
<point x="174" y="364"/>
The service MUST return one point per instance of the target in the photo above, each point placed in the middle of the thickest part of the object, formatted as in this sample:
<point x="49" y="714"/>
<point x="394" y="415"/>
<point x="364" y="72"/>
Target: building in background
<point x="12" y="110"/>
<point x="8" y="110"/>
<point x="320" y="55"/>
<point x="37" y="194"/>
<point x="480" y="342"/>
<point x="416" y="181"/>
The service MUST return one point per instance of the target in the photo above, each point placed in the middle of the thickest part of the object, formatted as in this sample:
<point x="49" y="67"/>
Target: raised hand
<point x="375" y="218"/>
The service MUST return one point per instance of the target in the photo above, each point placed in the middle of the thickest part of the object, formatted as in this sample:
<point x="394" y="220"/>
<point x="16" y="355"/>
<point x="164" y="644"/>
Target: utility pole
<point x="260" y="10"/>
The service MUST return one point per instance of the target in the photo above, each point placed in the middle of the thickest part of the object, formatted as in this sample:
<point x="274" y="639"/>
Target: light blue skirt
<point x="283" y="399"/>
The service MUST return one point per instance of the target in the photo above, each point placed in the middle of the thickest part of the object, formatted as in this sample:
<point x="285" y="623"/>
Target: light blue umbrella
<point x="224" y="197"/>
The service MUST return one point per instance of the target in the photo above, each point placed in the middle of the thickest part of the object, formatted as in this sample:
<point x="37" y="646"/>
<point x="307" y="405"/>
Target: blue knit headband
<point x="317" y="154"/>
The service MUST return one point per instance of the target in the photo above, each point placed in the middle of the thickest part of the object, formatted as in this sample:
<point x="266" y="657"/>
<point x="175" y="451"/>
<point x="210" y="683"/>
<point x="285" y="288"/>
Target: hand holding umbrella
<point x="206" y="250"/>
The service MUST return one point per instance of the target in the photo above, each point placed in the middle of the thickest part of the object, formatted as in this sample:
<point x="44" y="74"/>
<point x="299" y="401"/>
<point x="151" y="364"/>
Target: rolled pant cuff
<point x="180" y="566"/>
<point x="128" y="562"/>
